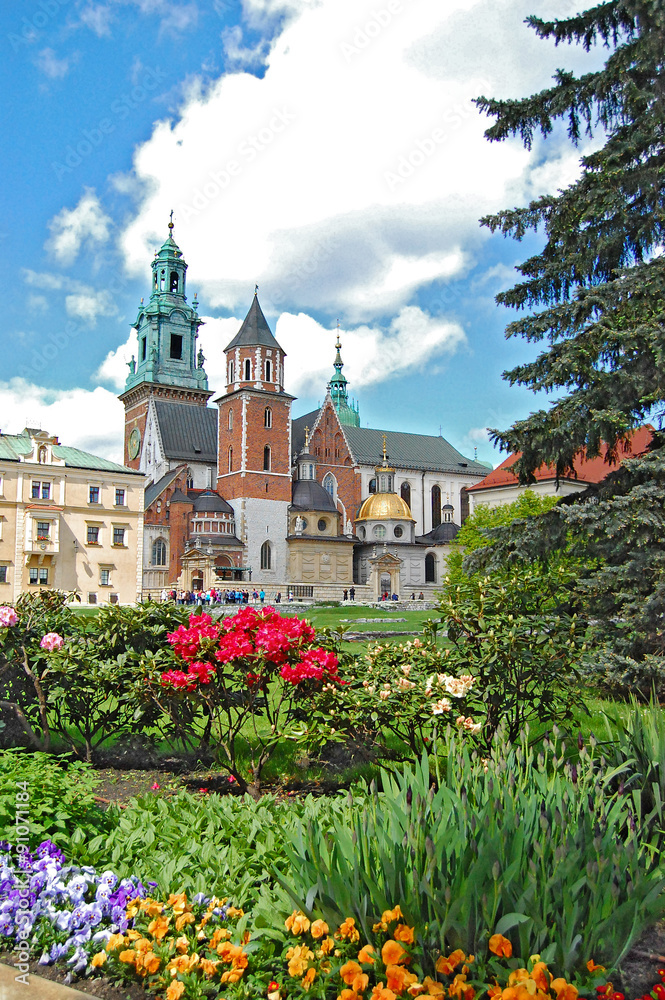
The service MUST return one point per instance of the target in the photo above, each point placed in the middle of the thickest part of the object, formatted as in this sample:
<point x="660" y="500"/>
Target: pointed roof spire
<point x="254" y="330"/>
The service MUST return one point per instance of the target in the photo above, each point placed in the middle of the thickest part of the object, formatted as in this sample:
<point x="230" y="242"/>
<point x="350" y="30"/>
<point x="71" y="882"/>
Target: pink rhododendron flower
<point x="52" y="641"/>
<point x="7" y="616"/>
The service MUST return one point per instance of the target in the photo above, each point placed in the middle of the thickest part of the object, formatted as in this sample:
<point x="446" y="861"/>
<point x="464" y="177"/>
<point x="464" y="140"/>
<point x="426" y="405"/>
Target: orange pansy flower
<point x="592" y="967"/>
<point x="381" y="993"/>
<point x="388" y="915"/>
<point x="367" y="954"/>
<point x="403" y="933"/>
<point x="501" y="946"/>
<point x="308" y="978"/>
<point x="563" y="990"/>
<point x="297" y="923"/>
<point x="397" y="978"/>
<point x="159" y="926"/>
<point x="539" y="974"/>
<point x="151" y="907"/>
<point x="348" y="930"/>
<point x="448" y="965"/>
<point x="182" y="921"/>
<point x="175" y="991"/>
<point x="348" y="995"/>
<point x="128" y="956"/>
<point x="318" y="929"/>
<point x="392" y="953"/>
<point x="349" y="971"/>
<point x="98" y="959"/>
<point x="115" y="941"/>
<point x="461" y="989"/>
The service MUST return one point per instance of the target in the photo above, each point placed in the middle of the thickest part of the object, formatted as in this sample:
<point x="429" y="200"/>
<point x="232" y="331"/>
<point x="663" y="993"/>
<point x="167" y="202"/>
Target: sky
<point x="327" y="150"/>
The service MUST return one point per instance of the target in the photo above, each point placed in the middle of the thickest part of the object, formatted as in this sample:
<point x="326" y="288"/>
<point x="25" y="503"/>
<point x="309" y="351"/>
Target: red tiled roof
<point x="591" y="470"/>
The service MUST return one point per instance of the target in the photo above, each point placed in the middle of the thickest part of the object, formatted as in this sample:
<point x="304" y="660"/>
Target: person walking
<point x="262" y="595"/>
<point x="346" y="595"/>
<point x="352" y="593"/>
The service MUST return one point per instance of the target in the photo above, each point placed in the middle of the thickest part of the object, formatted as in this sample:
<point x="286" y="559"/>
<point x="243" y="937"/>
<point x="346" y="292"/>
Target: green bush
<point x="60" y="804"/>
<point x="540" y="851"/>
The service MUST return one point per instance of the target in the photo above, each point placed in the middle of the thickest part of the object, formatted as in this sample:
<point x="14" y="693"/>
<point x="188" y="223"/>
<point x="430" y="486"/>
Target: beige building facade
<point x="69" y="521"/>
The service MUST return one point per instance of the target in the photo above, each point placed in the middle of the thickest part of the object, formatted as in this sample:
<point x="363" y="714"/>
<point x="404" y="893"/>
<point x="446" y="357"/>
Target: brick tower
<point x="254" y="464"/>
<point x="168" y="366"/>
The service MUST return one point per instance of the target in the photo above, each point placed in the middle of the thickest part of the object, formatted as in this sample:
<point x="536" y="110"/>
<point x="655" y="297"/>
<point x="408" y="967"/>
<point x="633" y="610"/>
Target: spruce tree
<point x="594" y="298"/>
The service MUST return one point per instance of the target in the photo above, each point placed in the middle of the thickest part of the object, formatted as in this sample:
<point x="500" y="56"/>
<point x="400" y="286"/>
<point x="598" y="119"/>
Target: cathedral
<point x="242" y="495"/>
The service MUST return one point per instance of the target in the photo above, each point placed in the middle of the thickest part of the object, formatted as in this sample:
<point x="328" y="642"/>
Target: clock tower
<point x="168" y="366"/>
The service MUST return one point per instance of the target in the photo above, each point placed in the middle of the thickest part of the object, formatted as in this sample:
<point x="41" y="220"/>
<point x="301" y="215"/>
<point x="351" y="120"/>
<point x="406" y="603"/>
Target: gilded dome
<point x="384" y="507"/>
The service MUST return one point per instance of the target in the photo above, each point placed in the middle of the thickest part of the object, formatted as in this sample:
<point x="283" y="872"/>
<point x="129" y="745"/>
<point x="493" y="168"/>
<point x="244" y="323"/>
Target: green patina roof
<point x="14" y="447"/>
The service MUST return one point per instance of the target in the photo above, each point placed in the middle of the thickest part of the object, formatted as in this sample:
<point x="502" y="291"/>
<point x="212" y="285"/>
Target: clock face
<point x="134" y="443"/>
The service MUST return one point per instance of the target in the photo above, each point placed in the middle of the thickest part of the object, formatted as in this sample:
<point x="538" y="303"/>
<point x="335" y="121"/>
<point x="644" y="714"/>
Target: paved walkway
<point x="34" y="989"/>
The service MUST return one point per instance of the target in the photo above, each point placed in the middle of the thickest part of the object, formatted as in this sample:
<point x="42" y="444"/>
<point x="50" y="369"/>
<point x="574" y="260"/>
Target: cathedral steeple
<point x="338" y="389"/>
<point x="168" y="327"/>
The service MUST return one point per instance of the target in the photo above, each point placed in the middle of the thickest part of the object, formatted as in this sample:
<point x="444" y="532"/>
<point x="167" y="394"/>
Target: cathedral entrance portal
<point x="385" y="585"/>
<point x="197" y="582"/>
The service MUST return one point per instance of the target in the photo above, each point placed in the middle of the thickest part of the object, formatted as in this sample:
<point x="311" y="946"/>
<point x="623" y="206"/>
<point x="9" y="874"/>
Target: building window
<point x="93" y="494"/>
<point x="430" y="568"/>
<point x="405" y="493"/>
<point x="119" y="498"/>
<point x="372" y="485"/>
<point x="144" y="345"/>
<point x="43" y="530"/>
<point x="329" y="484"/>
<point x="266" y="458"/>
<point x="399" y="531"/>
<point x="93" y="535"/>
<point x="190" y="479"/>
<point x="436" y="506"/>
<point x="248" y="370"/>
<point x="36" y="488"/>
<point x="113" y="598"/>
<point x="176" y="347"/>
<point x="92" y="598"/>
<point x="232" y="372"/>
<point x="267" y="416"/>
<point x="174" y="283"/>
<point x="119" y="536"/>
<point x="42" y="455"/>
<point x="268" y="375"/>
<point x="266" y="555"/>
<point x="40" y="491"/>
<point x="323" y="524"/>
<point x="159" y="552"/>
<point x="463" y="504"/>
<point x="379" y="531"/>
<point x="230" y="459"/>
<point x="38" y="575"/>
<point x="231" y="420"/>
<point x="3" y="574"/>
<point x="361" y="532"/>
<point x="105" y="578"/>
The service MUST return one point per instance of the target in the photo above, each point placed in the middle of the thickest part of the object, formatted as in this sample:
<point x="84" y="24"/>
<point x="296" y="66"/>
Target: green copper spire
<point x="338" y="389"/>
<point x="168" y="326"/>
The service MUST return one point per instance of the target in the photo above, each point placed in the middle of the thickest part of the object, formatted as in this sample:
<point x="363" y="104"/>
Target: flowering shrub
<point x="405" y="690"/>
<point x="256" y="673"/>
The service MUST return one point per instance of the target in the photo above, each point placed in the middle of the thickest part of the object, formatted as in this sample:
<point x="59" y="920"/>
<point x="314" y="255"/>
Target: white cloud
<point x="71" y="229"/>
<point x="82" y="302"/>
<point x="23" y="403"/>
<point x="354" y="172"/>
<point x="52" y="67"/>
<point x="97" y="17"/>
<point x="237" y="55"/>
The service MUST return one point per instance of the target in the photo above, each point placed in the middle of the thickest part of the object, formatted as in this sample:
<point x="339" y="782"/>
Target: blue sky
<point x="327" y="149"/>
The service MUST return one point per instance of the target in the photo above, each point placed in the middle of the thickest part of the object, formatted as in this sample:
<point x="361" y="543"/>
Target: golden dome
<point x="384" y="507"/>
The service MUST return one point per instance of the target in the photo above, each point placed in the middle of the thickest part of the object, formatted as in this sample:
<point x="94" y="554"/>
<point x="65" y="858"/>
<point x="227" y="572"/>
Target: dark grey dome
<point x="209" y="502"/>
<point x="310" y="495"/>
<point x="447" y="506"/>
<point x="444" y="532"/>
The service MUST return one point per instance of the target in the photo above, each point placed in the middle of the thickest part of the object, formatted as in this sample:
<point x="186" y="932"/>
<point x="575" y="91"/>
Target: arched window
<point x="372" y="485"/>
<point x="190" y="480"/>
<point x="159" y="552"/>
<point x="405" y="493"/>
<point x="267" y="417"/>
<point x="436" y="506"/>
<point x="230" y="459"/>
<point x="162" y="280"/>
<point x="266" y="458"/>
<point x="268" y="374"/>
<point x="266" y="555"/>
<point x="232" y="372"/>
<point x="173" y="282"/>
<point x="430" y="568"/>
<point x="329" y="484"/>
<point x="248" y="369"/>
<point x="231" y="419"/>
<point x="463" y="504"/>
